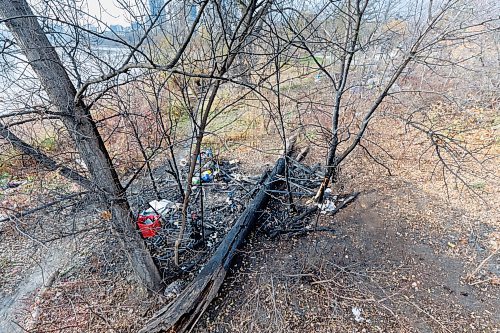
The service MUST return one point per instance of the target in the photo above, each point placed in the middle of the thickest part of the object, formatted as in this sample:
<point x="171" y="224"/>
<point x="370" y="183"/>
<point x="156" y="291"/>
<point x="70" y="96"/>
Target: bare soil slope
<point x="399" y="262"/>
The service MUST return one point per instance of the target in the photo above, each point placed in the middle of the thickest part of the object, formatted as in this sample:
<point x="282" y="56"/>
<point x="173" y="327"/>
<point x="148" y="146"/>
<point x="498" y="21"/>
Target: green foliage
<point x="311" y="135"/>
<point x="4" y="177"/>
<point x="479" y="185"/>
<point x="178" y="112"/>
<point x="48" y="143"/>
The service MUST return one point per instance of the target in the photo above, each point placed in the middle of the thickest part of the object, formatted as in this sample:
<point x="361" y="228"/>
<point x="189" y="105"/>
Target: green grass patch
<point x="478" y="186"/>
<point x="48" y="143"/>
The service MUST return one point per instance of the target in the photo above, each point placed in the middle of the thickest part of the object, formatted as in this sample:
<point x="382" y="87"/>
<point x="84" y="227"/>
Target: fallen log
<point x="184" y="312"/>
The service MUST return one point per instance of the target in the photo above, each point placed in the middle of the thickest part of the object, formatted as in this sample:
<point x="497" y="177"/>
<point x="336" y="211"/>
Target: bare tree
<point x="234" y="37"/>
<point x="324" y="69"/>
<point x="80" y="125"/>
<point x="362" y="49"/>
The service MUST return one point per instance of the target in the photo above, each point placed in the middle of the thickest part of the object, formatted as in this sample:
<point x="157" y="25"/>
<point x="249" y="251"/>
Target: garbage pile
<point x="219" y="194"/>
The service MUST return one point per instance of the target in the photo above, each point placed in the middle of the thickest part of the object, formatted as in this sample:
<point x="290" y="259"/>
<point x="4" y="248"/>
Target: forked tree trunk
<point x="78" y="121"/>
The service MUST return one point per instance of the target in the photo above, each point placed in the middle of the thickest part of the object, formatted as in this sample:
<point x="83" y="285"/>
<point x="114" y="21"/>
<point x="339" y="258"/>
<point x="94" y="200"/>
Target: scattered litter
<point x="209" y="153"/>
<point x="207" y="176"/>
<point x="162" y="207"/>
<point x="228" y="190"/>
<point x="230" y="197"/>
<point x="14" y="184"/>
<point x="173" y="290"/>
<point x="210" y="165"/>
<point x="159" y="221"/>
<point x="11" y="184"/>
<point x="149" y="224"/>
<point x="327" y="206"/>
<point x="357" y="314"/>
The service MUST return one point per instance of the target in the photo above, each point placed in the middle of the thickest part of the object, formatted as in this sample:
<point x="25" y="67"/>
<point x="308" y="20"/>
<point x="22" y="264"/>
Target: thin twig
<point x="471" y="276"/>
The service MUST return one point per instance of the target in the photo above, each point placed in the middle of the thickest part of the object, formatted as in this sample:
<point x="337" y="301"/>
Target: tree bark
<point x="47" y="65"/>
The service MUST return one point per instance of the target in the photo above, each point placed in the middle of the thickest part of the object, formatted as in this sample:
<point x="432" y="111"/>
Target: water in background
<point x="20" y="88"/>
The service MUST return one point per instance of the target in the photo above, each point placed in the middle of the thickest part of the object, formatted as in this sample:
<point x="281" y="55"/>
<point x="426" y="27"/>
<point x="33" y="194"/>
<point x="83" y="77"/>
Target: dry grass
<point x="411" y="255"/>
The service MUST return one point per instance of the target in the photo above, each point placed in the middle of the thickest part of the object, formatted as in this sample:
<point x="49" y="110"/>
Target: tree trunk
<point x="46" y="63"/>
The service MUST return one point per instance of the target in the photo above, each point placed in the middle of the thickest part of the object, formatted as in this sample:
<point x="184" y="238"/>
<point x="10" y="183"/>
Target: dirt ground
<point x="404" y="257"/>
<point x="399" y="262"/>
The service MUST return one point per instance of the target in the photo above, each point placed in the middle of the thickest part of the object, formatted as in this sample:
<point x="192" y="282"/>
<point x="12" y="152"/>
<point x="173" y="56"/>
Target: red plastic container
<point x="149" y="225"/>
